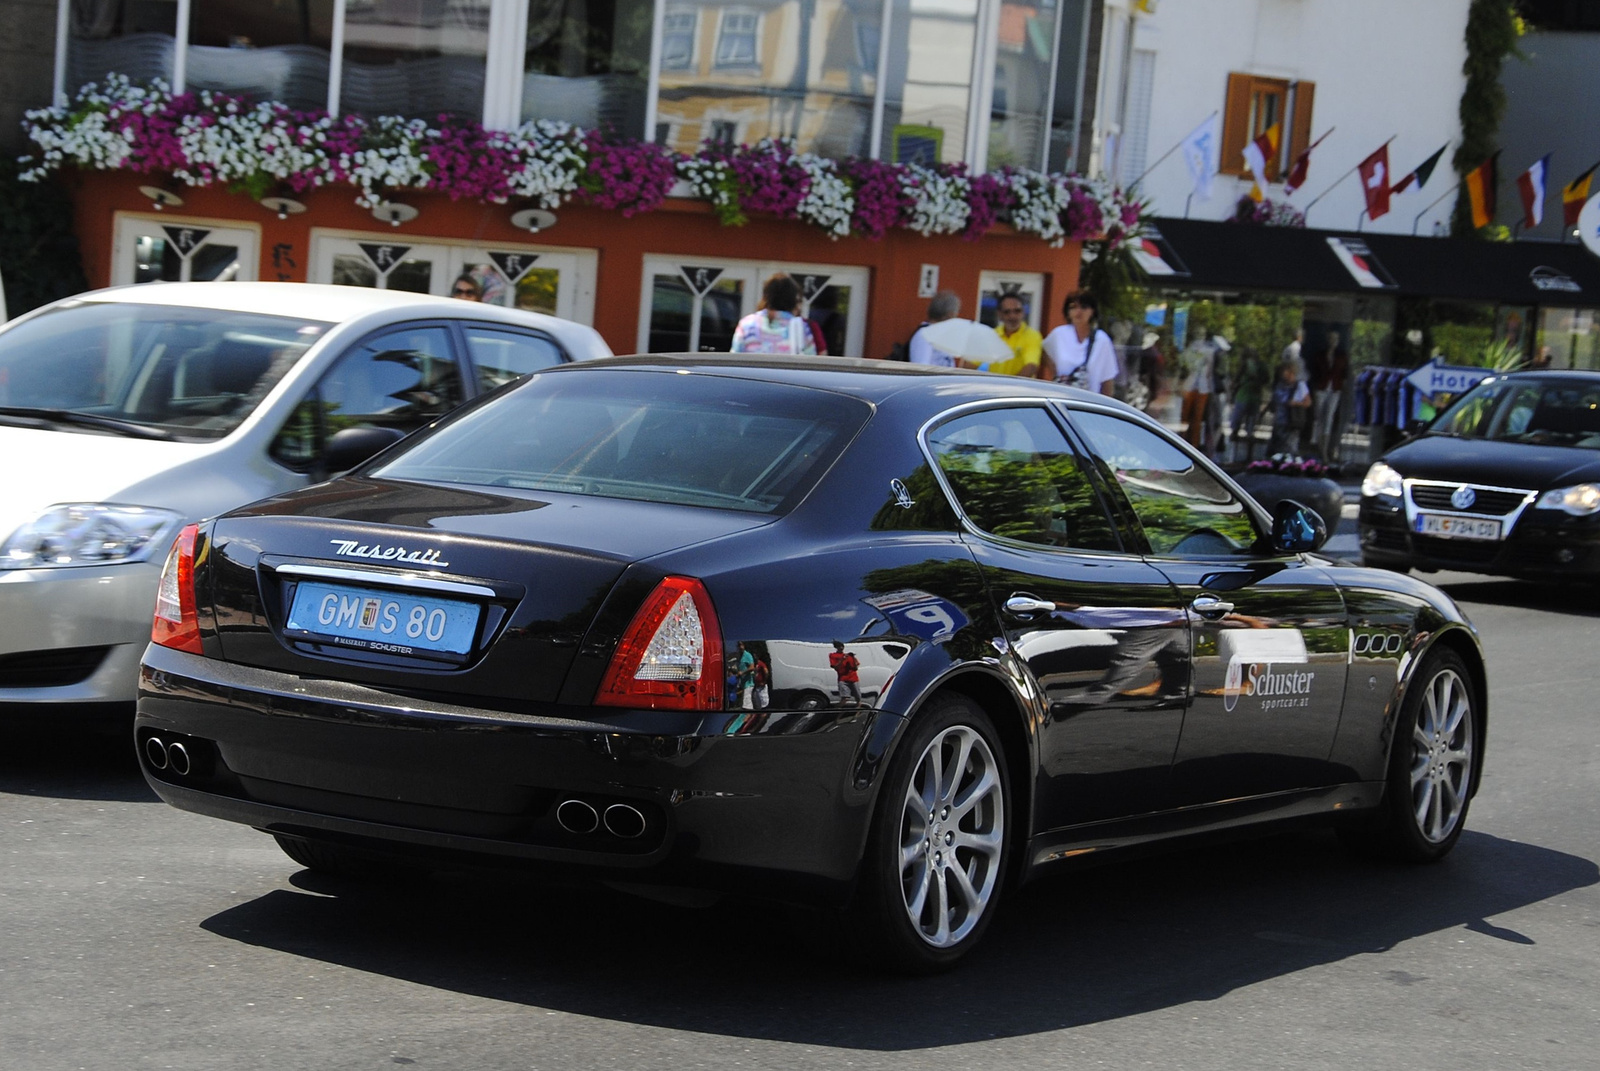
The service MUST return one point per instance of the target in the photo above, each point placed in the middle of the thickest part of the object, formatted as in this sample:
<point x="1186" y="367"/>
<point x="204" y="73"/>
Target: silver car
<point x="127" y="413"/>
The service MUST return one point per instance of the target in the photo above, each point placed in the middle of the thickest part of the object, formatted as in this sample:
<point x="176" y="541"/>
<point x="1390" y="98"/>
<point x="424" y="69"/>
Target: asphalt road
<point x="136" y="936"/>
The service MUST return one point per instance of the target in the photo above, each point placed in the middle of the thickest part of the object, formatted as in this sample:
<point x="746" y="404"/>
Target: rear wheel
<point x="938" y="849"/>
<point x="1431" y="767"/>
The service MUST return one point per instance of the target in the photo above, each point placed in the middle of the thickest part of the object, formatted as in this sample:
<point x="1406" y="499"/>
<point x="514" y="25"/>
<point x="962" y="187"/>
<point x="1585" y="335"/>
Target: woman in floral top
<point x="775" y="327"/>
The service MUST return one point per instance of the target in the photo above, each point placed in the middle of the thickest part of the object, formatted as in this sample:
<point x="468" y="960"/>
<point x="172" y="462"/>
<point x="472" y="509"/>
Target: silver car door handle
<point x="1210" y="606"/>
<point x="1027" y="605"/>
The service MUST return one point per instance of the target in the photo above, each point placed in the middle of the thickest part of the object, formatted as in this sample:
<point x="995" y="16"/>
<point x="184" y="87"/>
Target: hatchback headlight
<point x="1381" y="480"/>
<point x="86" y="533"/>
<point x="1580" y="500"/>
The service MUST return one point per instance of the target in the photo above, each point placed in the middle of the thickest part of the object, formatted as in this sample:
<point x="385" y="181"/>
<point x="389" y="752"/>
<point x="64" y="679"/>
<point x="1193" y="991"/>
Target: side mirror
<point x="1296" y="528"/>
<point x="350" y="447"/>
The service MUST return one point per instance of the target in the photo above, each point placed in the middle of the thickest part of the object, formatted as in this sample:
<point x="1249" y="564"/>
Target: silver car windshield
<point x="149" y="371"/>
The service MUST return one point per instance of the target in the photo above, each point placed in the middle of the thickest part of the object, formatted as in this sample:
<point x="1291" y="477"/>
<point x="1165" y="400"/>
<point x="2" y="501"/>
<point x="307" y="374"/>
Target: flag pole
<point x="1216" y="112"/>
<point x="1307" y="209"/>
<point x="1435" y="201"/>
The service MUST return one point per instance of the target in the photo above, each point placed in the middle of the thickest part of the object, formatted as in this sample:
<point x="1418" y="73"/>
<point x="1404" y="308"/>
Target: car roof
<point x="872" y="380"/>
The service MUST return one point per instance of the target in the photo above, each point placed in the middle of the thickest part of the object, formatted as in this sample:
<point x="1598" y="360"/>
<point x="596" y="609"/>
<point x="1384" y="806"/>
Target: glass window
<point x="502" y="356"/>
<point x="928" y="95"/>
<point x="158" y="260"/>
<point x="131" y="37"/>
<point x="1021" y="84"/>
<point x="1182" y="509"/>
<point x="266" y="49"/>
<point x="647" y="436"/>
<point x="792" y="68"/>
<point x="587" y="62"/>
<point x="1015" y="475"/>
<point x="414" y="57"/>
<point x="1552" y="412"/>
<point x="672" y="306"/>
<point x="401" y="379"/>
<point x="193" y="372"/>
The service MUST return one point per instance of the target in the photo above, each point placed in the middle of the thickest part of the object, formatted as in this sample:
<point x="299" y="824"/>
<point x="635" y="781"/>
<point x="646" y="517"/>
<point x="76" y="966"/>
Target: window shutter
<point x="1305" y="95"/>
<point x="1235" y="125"/>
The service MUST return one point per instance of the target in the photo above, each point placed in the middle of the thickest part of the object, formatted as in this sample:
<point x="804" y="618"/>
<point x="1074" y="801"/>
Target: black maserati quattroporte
<point x="1505" y="481"/>
<point x="862" y="634"/>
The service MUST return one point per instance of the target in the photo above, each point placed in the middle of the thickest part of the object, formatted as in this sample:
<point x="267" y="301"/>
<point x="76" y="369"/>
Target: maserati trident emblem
<point x="350" y="548"/>
<point x="902" y="494"/>
<point x="1463" y="497"/>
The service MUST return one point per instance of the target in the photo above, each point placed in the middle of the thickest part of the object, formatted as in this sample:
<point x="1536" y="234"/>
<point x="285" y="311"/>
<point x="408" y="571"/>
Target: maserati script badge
<point x="349" y="548"/>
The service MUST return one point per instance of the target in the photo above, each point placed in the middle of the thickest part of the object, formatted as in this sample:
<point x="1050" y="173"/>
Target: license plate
<point x="377" y="620"/>
<point x="1452" y="527"/>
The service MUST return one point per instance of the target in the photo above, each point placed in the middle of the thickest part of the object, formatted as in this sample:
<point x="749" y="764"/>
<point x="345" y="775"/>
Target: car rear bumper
<point x="1543" y="545"/>
<point x="779" y="806"/>
<point x="74" y="636"/>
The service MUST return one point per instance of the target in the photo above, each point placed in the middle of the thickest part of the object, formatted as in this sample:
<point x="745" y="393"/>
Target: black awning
<point x="1296" y="260"/>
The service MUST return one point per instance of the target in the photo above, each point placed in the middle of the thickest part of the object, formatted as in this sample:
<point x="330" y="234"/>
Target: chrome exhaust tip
<point x="178" y="759"/>
<point x="155" y="752"/>
<point x="624" y="821"/>
<point x="576" y="816"/>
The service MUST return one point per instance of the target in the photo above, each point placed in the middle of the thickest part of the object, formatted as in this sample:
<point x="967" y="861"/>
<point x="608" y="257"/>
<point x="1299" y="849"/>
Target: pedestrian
<point x="1250" y="382"/>
<point x="747" y="676"/>
<point x="946" y="305"/>
<point x="846" y="666"/>
<point x="1027" y="344"/>
<point x="775" y="326"/>
<point x="1540" y="360"/>
<point x="1327" y="385"/>
<point x="1199" y="362"/>
<point x="1291" y="399"/>
<point x="1078" y="353"/>
<point x="1291" y="353"/>
<point x="466" y="288"/>
<point x="762" y="675"/>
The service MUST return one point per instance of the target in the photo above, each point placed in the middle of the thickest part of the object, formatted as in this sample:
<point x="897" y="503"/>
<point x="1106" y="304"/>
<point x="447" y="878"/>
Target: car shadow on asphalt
<point x="74" y="762"/>
<point x="1071" y="948"/>
<point x="1573" y="598"/>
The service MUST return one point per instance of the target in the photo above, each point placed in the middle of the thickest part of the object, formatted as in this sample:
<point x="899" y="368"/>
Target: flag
<point x="1531" y="184"/>
<point x="1573" y="194"/>
<point x="1480" y="184"/>
<point x="1375" y="181"/>
<point x="1200" y="153"/>
<point x="1256" y="155"/>
<point x="1423" y="172"/>
<point x="1302" y="163"/>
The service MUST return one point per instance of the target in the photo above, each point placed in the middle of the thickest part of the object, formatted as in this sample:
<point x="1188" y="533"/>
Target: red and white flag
<point x="1531" y="184"/>
<point x="1375" y="182"/>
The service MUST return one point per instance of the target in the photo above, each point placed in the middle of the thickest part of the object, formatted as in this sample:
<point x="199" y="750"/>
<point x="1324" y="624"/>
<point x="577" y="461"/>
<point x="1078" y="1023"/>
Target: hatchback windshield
<point x="1553" y="411"/>
<point x="147" y="369"/>
<point x="696" y="439"/>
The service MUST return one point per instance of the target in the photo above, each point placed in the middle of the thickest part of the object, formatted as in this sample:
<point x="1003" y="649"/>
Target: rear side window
<point x="697" y="439"/>
<point x="501" y="356"/>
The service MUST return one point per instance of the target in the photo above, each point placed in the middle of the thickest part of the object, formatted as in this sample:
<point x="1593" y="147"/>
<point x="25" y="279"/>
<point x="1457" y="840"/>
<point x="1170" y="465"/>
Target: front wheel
<point x="1431" y="768"/>
<point x="938" y="847"/>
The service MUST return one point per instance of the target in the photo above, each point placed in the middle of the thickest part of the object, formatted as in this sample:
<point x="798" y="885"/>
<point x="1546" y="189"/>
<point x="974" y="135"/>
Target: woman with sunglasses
<point x="1078" y="353"/>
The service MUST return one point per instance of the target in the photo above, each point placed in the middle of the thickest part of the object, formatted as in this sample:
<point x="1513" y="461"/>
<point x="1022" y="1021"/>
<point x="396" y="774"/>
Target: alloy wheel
<point x="1441" y="763"/>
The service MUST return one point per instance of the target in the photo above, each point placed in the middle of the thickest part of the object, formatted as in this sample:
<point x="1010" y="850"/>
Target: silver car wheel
<point x="1441" y="763"/>
<point x="952" y="829"/>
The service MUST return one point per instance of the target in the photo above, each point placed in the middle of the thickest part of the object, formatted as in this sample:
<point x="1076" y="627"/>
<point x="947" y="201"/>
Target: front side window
<point x="1182" y="509"/>
<point x="696" y="440"/>
<point x="193" y="373"/>
<point x="401" y="379"/>
<point x="1014" y="475"/>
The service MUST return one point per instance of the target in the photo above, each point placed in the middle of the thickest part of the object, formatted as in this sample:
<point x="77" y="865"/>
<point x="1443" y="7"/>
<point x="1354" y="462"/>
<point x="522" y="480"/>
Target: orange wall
<point x="679" y="228"/>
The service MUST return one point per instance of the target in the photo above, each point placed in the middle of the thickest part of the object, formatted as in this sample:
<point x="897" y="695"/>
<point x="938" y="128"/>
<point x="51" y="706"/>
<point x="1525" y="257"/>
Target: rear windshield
<point x="1552" y="411"/>
<point x="192" y="373"/>
<point x="695" y="439"/>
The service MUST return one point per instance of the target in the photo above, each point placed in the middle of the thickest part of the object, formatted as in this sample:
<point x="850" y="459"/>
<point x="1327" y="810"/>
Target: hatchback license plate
<point x="1452" y="527"/>
<point x="377" y="620"/>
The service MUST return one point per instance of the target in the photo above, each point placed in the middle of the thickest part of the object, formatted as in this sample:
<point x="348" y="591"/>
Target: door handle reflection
<point x="1210" y="606"/>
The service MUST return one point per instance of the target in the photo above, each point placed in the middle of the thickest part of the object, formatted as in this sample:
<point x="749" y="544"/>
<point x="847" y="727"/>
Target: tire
<point x="336" y="859"/>
<point x="1431" y="768"/>
<point x="922" y="905"/>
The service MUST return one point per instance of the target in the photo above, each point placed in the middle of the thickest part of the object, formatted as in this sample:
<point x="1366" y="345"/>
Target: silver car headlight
<point x="1579" y="500"/>
<point x="1381" y="480"/>
<point x="87" y="533"/>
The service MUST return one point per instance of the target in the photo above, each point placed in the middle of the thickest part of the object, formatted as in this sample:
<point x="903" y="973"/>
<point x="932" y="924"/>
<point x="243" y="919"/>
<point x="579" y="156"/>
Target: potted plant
<point x="1303" y="479"/>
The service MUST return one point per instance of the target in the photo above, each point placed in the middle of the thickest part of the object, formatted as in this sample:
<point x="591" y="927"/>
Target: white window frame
<point x="724" y="34"/>
<point x="692" y="34"/>
<point x="126" y="226"/>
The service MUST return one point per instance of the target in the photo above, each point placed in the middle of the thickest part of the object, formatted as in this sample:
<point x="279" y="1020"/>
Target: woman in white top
<point x="1078" y="353"/>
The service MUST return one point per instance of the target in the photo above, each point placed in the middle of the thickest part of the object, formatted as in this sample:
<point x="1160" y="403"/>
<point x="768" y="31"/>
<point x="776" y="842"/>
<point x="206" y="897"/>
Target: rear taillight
<point x="671" y="656"/>
<point x="176" y="624"/>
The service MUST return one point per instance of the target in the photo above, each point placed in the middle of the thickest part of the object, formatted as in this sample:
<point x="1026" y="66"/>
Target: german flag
<point x="1480" y="184"/>
<point x="1573" y="196"/>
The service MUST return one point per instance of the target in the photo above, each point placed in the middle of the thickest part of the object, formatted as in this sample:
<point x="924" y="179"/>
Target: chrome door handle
<point x="1210" y="606"/>
<point x="1027" y="605"/>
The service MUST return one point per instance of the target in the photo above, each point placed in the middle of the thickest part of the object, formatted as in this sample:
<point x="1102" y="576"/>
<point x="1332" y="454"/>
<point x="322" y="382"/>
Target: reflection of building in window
<point x="677" y="39"/>
<point x="722" y="132"/>
<point x="736" y="39"/>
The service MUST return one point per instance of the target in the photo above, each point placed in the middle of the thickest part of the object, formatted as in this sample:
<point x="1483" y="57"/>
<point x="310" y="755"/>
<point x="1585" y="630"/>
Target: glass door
<point x="692" y="304"/>
<point x="149" y="249"/>
<point x="993" y="285"/>
<point x="384" y="262"/>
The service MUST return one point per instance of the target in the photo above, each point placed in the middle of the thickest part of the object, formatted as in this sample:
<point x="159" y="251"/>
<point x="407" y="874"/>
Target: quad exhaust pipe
<point x="173" y="756"/>
<point x="621" y="820"/>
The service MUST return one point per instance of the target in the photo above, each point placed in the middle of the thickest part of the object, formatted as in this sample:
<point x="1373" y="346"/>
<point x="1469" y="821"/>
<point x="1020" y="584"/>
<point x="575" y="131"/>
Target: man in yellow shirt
<point x="1026" y="343"/>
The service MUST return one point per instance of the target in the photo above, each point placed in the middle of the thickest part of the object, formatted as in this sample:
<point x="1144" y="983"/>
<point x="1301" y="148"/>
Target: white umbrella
<point x="967" y="339"/>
